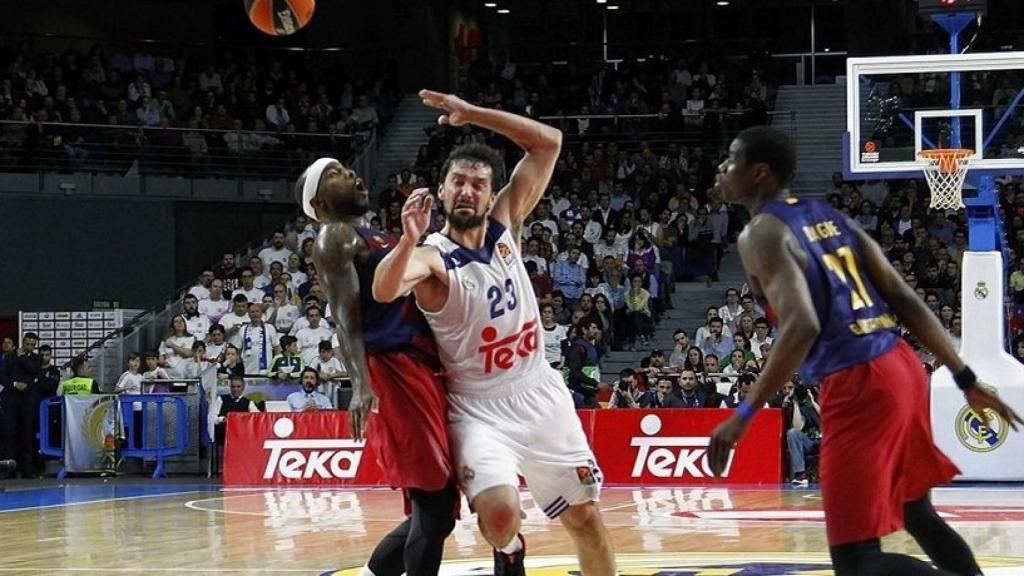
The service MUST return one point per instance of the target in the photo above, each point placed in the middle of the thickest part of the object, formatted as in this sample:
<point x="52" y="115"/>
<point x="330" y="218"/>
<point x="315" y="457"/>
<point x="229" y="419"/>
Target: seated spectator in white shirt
<point x="259" y="342"/>
<point x="261" y="279"/>
<point x="303" y="229"/>
<point x="155" y="372"/>
<point x="215" y="343"/>
<point x="312" y="335"/>
<point x="176" y="347"/>
<point x="298" y="277"/>
<point x="309" y="399"/>
<point x="216" y="305"/>
<point x="276" y="252"/>
<point x="233" y="321"/>
<point x="280" y="310"/>
<point x="761" y="337"/>
<point x="248" y="289"/>
<point x="327" y="364"/>
<point x="130" y="381"/>
<point x="531" y="254"/>
<point x="202" y="288"/>
<point x="197" y="324"/>
<point x="302" y="322"/>
<point x="198" y="363"/>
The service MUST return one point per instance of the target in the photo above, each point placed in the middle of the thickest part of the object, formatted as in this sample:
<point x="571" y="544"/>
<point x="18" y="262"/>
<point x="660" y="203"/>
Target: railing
<point x="143" y="150"/>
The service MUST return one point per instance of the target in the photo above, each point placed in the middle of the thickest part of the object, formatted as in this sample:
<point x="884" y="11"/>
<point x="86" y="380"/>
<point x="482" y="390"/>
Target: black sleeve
<point x="574" y="360"/>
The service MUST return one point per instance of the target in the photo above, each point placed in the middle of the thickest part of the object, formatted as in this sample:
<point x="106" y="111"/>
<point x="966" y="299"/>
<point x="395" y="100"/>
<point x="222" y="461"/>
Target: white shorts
<point x="534" y="433"/>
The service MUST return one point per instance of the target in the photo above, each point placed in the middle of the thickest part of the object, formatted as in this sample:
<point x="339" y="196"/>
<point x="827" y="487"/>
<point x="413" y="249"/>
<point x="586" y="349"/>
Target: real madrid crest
<point x="505" y="253"/>
<point x="981" y="291"/>
<point x="975" y="435"/>
<point x="468" y="283"/>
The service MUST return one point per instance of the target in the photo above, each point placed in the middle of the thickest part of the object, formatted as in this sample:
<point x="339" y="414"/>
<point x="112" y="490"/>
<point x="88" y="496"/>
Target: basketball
<point x="279" y="17"/>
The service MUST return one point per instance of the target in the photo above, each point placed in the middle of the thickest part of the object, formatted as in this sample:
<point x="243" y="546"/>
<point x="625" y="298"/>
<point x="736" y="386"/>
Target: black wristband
<point x="966" y="379"/>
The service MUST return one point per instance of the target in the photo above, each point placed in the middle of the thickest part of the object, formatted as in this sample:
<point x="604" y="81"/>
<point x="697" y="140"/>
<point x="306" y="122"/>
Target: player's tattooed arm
<point x="334" y="253"/>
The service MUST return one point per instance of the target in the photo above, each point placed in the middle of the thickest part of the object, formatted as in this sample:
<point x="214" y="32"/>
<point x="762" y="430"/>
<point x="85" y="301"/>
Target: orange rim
<point x="947" y="159"/>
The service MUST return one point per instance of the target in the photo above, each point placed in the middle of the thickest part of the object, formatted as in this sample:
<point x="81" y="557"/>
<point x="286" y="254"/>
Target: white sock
<point x="514" y="546"/>
<point x="365" y="571"/>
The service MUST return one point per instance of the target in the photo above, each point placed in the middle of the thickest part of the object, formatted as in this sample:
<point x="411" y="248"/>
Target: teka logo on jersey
<point x="503" y="353"/>
<point x="672" y="456"/>
<point x="308" y="457"/>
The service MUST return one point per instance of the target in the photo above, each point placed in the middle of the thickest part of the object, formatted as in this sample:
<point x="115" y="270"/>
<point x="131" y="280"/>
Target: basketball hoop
<point x="945" y="170"/>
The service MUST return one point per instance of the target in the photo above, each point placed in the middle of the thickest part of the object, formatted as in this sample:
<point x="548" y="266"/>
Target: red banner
<point x="633" y="448"/>
<point x="296" y="448"/>
<point x="669" y="447"/>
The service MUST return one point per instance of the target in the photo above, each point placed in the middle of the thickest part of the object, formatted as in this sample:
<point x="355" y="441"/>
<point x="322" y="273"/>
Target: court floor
<point x="142" y="527"/>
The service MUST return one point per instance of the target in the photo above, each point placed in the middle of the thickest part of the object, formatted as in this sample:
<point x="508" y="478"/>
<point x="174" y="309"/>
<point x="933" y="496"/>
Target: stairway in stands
<point x="690" y="300"/>
<point x="405" y="134"/>
<point x="817" y="126"/>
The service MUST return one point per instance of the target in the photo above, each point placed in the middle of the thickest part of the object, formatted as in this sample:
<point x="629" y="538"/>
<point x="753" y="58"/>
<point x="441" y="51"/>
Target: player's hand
<point x="981" y="400"/>
<point x="359" y="408"/>
<point x="416" y="213"/>
<point x="723" y="439"/>
<point x="456" y="109"/>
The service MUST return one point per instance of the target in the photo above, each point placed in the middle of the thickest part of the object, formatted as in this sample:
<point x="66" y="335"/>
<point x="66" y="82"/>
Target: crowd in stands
<point x="152" y="107"/>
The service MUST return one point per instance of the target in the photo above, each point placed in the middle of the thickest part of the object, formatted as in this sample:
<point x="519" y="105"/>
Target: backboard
<point x="900" y="105"/>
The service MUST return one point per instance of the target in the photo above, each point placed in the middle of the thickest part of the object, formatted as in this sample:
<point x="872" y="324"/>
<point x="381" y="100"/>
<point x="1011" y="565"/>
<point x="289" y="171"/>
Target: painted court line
<point x="99" y="501"/>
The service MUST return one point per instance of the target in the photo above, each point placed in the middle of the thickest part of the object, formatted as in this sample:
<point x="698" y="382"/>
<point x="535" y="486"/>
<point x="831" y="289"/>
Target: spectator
<point x="20" y="399"/>
<point x="327" y="364"/>
<point x="81" y="382"/>
<point x="260" y="277"/>
<point x="310" y="337"/>
<point x="276" y="252"/>
<point x="605" y="317"/>
<point x="155" y="372"/>
<point x="130" y="382"/>
<point x="198" y="363"/>
<point x="690" y="396"/>
<point x="662" y="395"/>
<point x="248" y="289"/>
<point x="202" y="288"/>
<point x="258" y="342"/>
<point x="233" y="321"/>
<point x="569" y="277"/>
<point x="732" y="310"/>
<point x="743" y="383"/>
<point x="215" y="343"/>
<point x="737" y="363"/>
<point x="196" y="324"/>
<point x="295" y="269"/>
<point x="216" y="305"/>
<point x="176" y="347"/>
<point x="625" y="393"/>
<point x="49" y="376"/>
<point x="288" y="364"/>
<point x="365" y="116"/>
<point x="309" y="399"/>
<point x="703" y="332"/>
<point x="277" y="115"/>
<point x="229" y="274"/>
<point x="681" y="343"/>
<point x="716" y="343"/>
<point x="553" y="334"/>
<point x="281" y="312"/>
<point x="231" y="365"/>
<point x="638" y="313"/>
<point x="582" y="362"/>
<point x="225" y="404"/>
<point x="804" y="437"/>
<point x="761" y="337"/>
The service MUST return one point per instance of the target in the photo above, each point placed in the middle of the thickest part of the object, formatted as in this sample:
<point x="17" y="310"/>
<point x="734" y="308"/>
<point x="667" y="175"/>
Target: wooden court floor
<point x="157" y="528"/>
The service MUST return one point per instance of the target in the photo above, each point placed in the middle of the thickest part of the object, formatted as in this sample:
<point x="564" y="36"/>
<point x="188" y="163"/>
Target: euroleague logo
<point x="977" y="436"/>
<point x="766" y="564"/>
<point x="505" y="253"/>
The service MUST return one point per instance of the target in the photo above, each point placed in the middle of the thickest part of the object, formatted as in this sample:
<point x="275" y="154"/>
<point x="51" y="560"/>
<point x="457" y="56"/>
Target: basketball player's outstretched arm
<point x="772" y="258"/>
<point x="922" y="322"/>
<point x="542" y="144"/>
<point x="334" y="254"/>
<point x="409" y="267"/>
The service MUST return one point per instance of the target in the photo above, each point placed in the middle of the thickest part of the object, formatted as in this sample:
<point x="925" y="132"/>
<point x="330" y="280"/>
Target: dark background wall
<point x="63" y="253"/>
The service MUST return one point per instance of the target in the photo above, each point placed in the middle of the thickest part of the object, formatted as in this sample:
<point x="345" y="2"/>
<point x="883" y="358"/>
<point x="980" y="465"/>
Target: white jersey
<point x="488" y="332"/>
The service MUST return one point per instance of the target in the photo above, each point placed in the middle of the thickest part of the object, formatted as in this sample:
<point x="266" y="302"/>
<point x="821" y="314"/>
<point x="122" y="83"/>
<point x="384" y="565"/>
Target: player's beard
<point x="351" y="206"/>
<point x="462" y="223"/>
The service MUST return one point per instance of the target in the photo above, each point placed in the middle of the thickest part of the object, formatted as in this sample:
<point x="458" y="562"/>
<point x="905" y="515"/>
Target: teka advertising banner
<point x="670" y="447"/>
<point x="296" y="448"/>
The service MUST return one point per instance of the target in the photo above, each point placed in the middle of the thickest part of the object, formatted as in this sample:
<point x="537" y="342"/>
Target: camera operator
<point x="625" y="393"/>
<point x="804" y="436"/>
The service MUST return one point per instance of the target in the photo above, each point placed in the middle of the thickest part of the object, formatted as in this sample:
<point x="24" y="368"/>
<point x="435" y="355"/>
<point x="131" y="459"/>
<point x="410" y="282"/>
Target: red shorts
<point x="409" y="425"/>
<point x="877" y="451"/>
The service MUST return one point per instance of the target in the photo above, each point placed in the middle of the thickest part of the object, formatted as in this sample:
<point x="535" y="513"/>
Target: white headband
<point x="312" y="183"/>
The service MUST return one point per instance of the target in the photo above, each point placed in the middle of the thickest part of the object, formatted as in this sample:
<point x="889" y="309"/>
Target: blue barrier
<point x="160" y="451"/>
<point x="131" y="449"/>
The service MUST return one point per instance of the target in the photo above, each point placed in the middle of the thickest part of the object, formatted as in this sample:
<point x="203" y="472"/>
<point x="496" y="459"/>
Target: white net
<point x="945" y="171"/>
